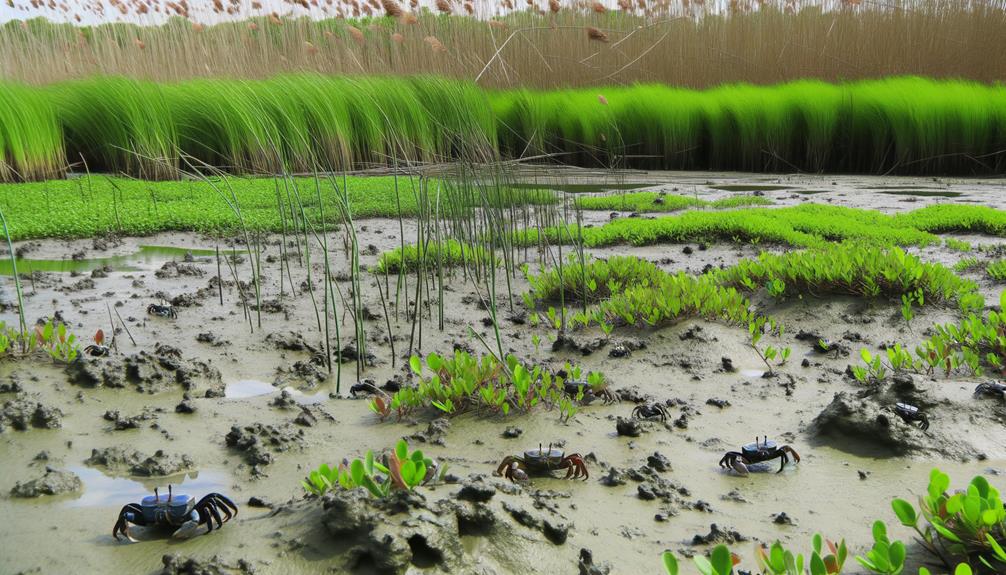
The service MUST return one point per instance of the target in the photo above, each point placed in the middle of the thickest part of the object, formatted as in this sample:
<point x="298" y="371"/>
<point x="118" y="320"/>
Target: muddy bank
<point x="212" y="402"/>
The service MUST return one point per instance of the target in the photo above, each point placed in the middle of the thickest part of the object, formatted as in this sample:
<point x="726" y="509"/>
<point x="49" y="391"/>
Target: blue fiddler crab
<point x="911" y="415"/>
<point x="181" y="511"/>
<point x="991" y="388"/>
<point x="758" y="452"/>
<point x="166" y="310"/>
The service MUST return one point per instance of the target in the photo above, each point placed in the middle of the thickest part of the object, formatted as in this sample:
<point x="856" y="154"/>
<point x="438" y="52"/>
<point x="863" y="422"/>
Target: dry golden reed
<point x="672" y="42"/>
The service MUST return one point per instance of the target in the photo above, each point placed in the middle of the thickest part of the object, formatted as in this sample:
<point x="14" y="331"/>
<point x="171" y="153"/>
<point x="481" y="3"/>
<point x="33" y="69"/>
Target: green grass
<point x="595" y="281"/>
<point x="84" y="207"/>
<point x="997" y="270"/>
<point x="449" y="253"/>
<point x="808" y="225"/>
<point x="956" y="218"/>
<point x="852" y="269"/>
<point x="659" y="202"/>
<point x="966" y="264"/>
<point x="906" y="124"/>
<point x="957" y="245"/>
<point x="626" y="289"/>
<point x="300" y="122"/>
<point x="31" y="144"/>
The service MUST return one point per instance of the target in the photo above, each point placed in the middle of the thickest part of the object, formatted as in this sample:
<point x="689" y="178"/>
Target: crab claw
<point x="516" y="473"/>
<point x="129" y="535"/>
<point x="739" y="467"/>
<point x="188" y="529"/>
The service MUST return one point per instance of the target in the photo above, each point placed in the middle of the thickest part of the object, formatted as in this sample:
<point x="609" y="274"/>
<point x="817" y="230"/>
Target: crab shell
<point x="543" y="459"/>
<point x="907" y="409"/>
<point x="160" y="511"/>
<point x="766" y="447"/>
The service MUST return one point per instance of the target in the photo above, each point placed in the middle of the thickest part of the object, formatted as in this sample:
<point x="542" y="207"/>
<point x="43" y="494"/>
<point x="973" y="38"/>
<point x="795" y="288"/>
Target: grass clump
<point x="958" y="245"/>
<point x="955" y="218"/>
<point x="852" y="269"/>
<point x="486" y="385"/>
<point x="997" y="270"/>
<point x="808" y="225"/>
<point x="671" y="299"/>
<point x="967" y="264"/>
<point x="447" y="254"/>
<point x="31" y="143"/>
<point x="661" y="202"/>
<point x="593" y="282"/>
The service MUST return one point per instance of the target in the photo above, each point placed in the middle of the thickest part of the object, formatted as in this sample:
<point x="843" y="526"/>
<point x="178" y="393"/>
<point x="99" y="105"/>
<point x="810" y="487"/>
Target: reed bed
<point x="306" y="122"/>
<point x="546" y="45"/>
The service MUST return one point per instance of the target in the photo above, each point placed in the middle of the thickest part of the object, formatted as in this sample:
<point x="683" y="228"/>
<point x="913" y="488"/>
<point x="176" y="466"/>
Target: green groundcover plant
<point x="487" y="386"/>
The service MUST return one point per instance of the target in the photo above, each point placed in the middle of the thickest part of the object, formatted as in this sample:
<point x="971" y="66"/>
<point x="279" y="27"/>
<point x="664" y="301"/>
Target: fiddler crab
<point x="176" y="510"/>
<point x="574" y="388"/>
<point x="911" y="415"/>
<point x="162" y="310"/>
<point x="991" y="389"/>
<point x="651" y="411"/>
<point x="98" y="348"/>
<point x="757" y="452"/>
<point x="542" y="462"/>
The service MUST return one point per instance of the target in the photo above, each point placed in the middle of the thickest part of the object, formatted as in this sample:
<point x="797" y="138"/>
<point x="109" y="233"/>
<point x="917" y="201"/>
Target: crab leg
<point x="224" y="503"/>
<point x="122" y="525"/>
<point x="211" y="509"/>
<point x="785" y="460"/>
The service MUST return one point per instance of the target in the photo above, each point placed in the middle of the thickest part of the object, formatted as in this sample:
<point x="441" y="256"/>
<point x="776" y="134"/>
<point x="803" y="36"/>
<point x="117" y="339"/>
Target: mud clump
<point x="175" y="565"/>
<point x="172" y="270"/>
<point x="54" y="482"/>
<point x="309" y="371"/>
<point x="291" y="341"/>
<point x="868" y="417"/>
<point x="122" y="422"/>
<point x="273" y="305"/>
<point x="23" y="413"/>
<point x="258" y="442"/>
<point x="717" y="536"/>
<point x="582" y="346"/>
<point x="135" y="463"/>
<point x="387" y="536"/>
<point x="147" y="372"/>
<point x="435" y="433"/>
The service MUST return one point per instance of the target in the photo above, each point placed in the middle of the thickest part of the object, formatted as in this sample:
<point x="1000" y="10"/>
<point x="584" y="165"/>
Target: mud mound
<point x="54" y="482"/>
<point x="292" y="341"/>
<point x="384" y="536"/>
<point x="23" y="413"/>
<point x="174" y="270"/>
<point x="867" y="417"/>
<point x="147" y="372"/>
<point x="126" y="460"/>
<point x="258" y="442"/>
<point x="175" y="565"/>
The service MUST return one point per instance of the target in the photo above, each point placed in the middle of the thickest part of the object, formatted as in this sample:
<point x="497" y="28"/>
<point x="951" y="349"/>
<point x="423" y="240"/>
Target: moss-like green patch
<point x="658" y="202"/>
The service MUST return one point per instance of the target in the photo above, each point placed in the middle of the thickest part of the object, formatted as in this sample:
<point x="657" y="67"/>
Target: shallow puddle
<point x="749" y="188"/>
<point x="922" y="193"/>
<point x="101" y="490"/>
<point x="246" y="388"/>
<point x="145" y="257"/>
<point x="580" y="188"/>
